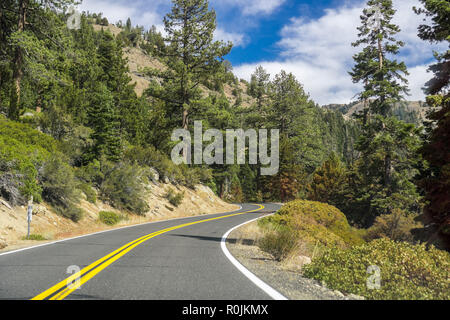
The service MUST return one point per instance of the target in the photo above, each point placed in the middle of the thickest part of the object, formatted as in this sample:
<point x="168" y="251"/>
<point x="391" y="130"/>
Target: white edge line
<point x="257" y="281"/>
<point x="104" y="231"/>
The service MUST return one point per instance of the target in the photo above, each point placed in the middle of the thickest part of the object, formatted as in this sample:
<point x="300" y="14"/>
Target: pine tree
<point x="128" y="25"/>
<point x="388" y="138"/>
<point x="383" y="79"/>
<point x="288" y="183"/>
<point x="192" y="57"/>
<point x="329" y="183"/>
<point x="385" y="171"/>
<point x="104" y="121"/>
<point x="295" y="115"/>
<point x="30" y="27"/>
<point x="258" y="88"/>
<point x="436" y="150"/>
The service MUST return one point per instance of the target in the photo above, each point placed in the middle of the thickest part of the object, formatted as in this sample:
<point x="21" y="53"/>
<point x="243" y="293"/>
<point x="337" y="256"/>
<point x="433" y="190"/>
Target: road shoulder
<point x="289" y="283"/>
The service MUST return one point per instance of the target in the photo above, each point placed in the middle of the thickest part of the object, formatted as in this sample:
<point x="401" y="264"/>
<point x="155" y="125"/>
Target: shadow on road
<point x="247" y="242"/>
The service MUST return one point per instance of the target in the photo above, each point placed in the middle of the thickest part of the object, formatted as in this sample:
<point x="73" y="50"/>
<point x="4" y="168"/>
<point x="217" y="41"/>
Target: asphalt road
<point x="183" y="263"/>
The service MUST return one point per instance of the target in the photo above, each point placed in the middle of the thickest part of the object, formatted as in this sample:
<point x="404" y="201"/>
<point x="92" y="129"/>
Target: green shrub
<point x="396" y="226"/>
<point x="108" y="217"/>
<point x="182" y="174"/>
<point x="91" y="173"/>
<point x="91" y="195"/>
<point x="70" y="212"/>
<point x="280" y="244"/>
<point x="174" y="198"/>
<point x="122" y="186"/>
<point x="151" y="157"/>
<point x="37" y="237"/>
<point x="407" y="271"/>
<point x="59" y="185"/>
<point x="316" y="222"/>
<point x="23" y="150"/>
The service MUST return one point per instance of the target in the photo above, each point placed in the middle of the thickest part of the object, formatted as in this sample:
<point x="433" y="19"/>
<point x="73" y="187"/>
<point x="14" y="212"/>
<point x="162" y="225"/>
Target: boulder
<point x="338" y="293"/>
<point x="303" y="260"/>
<point x="352" y="296"/>
<point x="154" y="175"/>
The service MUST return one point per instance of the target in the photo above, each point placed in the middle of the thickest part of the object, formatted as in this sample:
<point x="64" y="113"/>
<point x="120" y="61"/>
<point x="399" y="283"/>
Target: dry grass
<point x="248" y="234"/>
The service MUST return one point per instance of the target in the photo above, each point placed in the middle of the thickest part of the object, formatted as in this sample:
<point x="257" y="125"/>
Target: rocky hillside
<point x="139" y="60"/>
<point x="409" y="111"/>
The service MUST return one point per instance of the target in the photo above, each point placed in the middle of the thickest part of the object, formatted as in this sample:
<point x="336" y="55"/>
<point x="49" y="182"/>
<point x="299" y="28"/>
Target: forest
<point x="71" y="121"/>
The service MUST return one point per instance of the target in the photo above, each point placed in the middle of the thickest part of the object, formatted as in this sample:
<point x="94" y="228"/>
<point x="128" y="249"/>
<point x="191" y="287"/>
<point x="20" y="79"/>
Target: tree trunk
<point x="380" y="54"/>
<point x="14" y="109"/>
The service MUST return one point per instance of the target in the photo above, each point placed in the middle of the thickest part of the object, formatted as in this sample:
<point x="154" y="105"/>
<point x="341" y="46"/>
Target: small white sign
<point x="30" y="213"/>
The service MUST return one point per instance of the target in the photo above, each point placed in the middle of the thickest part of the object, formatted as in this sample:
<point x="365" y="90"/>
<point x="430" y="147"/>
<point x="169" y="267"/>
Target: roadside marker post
<point x="29" y="215"/>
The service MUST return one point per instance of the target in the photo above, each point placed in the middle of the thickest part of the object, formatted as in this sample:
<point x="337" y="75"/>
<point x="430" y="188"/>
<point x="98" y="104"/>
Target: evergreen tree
<point x="388" y="138"/>
<point x="436" y="150"/>
<point x="259" y="84"/>
<point x="383" y="79"/>
<point x="388" y="147"/>
<point x="104" y="121"/>
<point x="288" y="183"/>
<point x="329" y="183"/>
<point x="30" y="28"/>
<point x="192" y="55"/>
<point x="128" y="25"/>
<point x="295" y="115"/>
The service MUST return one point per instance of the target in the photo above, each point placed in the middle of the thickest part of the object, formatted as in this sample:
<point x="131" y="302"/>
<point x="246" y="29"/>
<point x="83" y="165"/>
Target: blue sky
<point x="310" y="38"/>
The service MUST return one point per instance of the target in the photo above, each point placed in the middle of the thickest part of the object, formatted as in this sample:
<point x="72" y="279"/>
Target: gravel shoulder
<point x="276" y="274"/>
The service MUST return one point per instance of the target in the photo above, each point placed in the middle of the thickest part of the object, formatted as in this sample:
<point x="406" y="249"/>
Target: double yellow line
<point x="70" y="284"/>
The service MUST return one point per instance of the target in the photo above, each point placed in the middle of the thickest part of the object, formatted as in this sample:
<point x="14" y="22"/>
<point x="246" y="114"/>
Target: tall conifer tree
<point x="437" y="147"/>
<point x="193" y="57"/>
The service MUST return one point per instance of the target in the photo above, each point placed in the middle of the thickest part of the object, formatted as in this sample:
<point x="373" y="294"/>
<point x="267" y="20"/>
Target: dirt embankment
<point x="13" y="220"/>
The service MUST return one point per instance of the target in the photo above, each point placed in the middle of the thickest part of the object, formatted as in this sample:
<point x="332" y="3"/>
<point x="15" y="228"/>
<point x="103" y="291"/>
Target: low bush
<point x="37" y="237"/>
<point x="174" y="198"/>
<point x="108" y="217"/>
<point x="123" y="187"/>
<point x="313" y="223"/>
<point x="91" y="173"/>
<point x="396" y="226"/>
<point x="23" y="150"/>
<point x="407" y="271"/>
<point x="70" y="212"/>
<point x="280" y="244"/>
<point x="91" y="195"/>
<point x="59" y="186"/>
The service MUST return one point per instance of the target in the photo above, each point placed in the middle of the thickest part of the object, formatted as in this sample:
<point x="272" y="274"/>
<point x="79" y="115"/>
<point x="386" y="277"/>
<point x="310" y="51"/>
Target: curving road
<point x="175" y="259"/>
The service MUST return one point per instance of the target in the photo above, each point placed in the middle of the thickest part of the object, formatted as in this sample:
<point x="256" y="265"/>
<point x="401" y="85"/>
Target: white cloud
<point x="252" y="7"/>
<point x="238" y="39"/>
<point x="113" y="11"/>
<point x="143" y="14"/>
<point x="417" y="78"/>
<point x="319" y="52"/>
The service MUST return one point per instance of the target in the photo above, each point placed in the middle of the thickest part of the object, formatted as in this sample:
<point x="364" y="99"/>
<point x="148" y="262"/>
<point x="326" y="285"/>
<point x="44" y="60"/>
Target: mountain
<point x="408" y="111"/>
